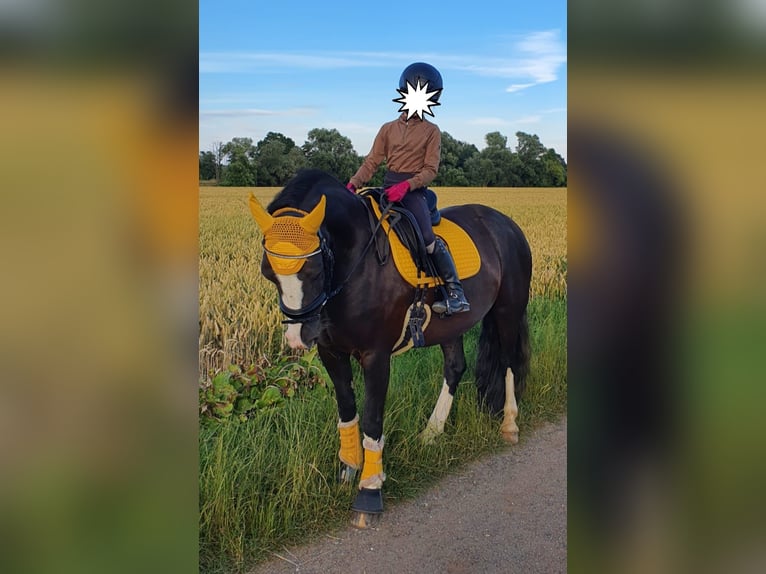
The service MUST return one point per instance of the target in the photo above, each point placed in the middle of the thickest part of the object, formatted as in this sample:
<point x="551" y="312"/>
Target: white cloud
<point x="526" y="120"/>
<point x="239" y="62"/>
<point x="489" y="122"/>
<point x="519" y="64"/>
<point x="518" y="87"/>
<point x="246" y="112"/>
<point x="501" y="122"/>
<point x="535" y="58"/>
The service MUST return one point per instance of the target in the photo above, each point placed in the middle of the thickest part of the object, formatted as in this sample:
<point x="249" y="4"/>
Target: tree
<point x="496" y="141"/>
<point x="554" y="169"/>
<point x="480" y="171"/>
<point x="454" y="155"/>
<point x="328" y="150"/>
<point x="219" y="156"/>
<point x="277" y="158"/>
<point x="239" y="170"/>
<point x="492" y="166"/>
<point x="530" y="151"/>
<point x="206" y="165"/>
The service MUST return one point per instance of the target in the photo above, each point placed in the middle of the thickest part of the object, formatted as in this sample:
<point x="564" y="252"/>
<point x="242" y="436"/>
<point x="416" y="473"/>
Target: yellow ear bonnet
<point x="289" y="240"/>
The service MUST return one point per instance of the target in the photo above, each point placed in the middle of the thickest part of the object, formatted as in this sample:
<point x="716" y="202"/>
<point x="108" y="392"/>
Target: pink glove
<point x="351" y="187"/>
<point x="397" y="191"/>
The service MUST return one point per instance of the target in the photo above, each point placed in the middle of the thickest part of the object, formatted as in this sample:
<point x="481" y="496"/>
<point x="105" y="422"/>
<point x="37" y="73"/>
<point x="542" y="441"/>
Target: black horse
<point x="336" y="294"/>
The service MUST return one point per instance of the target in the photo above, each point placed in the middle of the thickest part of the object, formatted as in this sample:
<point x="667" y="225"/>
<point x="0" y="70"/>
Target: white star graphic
<point x="416" y="101"/>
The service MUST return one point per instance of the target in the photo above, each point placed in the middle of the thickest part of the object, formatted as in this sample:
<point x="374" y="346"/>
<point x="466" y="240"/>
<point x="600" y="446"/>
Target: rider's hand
<point x="397" y="191"/>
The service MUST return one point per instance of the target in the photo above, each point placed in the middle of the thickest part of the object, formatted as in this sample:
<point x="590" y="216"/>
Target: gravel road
<point x="503" y="513"/>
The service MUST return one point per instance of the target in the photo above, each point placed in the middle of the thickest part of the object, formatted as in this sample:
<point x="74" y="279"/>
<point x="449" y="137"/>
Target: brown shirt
<point x="410" y="146"/>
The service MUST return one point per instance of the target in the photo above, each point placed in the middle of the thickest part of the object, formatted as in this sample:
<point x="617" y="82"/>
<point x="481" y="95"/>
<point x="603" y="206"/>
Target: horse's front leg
<point x="369" y="500"/>
<point x="338" y="366"/>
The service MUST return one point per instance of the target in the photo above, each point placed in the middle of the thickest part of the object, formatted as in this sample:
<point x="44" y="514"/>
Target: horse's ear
<point x="261" y="216"/>
<point x="313" y="220"/>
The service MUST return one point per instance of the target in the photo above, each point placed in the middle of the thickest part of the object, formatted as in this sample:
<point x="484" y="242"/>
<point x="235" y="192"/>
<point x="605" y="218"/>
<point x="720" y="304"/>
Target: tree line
<point x="274" y="160"/>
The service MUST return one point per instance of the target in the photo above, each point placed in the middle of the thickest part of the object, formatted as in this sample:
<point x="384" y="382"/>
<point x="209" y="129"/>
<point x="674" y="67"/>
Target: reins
<point x="374" y="234"/>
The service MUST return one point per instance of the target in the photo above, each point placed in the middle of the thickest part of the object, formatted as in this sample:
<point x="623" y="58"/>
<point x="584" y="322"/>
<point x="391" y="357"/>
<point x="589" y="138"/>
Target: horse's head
<point x="298" y="261"/>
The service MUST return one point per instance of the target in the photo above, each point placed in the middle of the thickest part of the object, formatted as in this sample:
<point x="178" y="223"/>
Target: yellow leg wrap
<point x="373" y="463"/>
<point x="350" y="451"/>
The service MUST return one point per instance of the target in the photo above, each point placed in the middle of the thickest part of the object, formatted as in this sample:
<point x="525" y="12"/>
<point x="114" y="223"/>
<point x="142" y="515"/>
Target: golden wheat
<point x="238" y="315"/>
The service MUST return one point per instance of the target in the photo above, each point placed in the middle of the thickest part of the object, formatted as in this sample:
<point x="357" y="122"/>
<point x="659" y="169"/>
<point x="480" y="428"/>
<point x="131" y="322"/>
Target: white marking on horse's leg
<point x="435" y="425"/>
<point x="292" y="296"/>
<point x="509" y="428"/>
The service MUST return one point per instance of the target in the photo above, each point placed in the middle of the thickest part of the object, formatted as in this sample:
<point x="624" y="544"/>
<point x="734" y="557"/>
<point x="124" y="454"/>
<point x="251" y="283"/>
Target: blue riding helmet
<point x="426" y="73"/>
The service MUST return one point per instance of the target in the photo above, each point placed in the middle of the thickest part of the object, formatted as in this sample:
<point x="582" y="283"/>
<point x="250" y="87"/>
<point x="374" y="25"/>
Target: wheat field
<point x="239" y="320"/>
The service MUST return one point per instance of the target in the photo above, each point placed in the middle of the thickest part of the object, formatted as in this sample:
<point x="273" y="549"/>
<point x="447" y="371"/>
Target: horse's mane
<point x="298" y="188"/>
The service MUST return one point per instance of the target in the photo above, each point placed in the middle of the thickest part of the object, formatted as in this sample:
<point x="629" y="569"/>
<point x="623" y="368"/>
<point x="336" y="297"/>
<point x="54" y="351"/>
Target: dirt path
<point x="505" y="513"/>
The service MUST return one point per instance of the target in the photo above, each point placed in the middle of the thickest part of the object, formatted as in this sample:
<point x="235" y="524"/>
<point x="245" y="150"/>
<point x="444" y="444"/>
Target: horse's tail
<point x="501" y="346"/>
<point x="523" y="352"/>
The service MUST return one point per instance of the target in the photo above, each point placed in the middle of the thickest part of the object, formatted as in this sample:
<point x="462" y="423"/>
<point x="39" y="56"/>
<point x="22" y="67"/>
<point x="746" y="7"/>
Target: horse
<point x="337" y="295"/>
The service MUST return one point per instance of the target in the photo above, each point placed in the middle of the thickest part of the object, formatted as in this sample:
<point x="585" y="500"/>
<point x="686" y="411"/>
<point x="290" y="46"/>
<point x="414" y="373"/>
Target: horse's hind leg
<point x="503" y="363"/>
<point x="509" y="428"/>
<point x="454" y="367"/>
<point x="338" y="366"/>
<point x="515" y="379"/>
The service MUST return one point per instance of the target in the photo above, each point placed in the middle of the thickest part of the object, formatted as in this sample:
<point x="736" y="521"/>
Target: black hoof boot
<point x="368" y="500"/>
<point x="367" y="508"/>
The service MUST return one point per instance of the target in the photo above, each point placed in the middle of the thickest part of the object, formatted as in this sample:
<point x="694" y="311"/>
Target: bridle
<point x="313" y="310"/>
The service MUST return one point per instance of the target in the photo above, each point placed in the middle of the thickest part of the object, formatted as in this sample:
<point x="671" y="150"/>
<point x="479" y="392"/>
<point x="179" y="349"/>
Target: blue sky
<point x="289" y="67"/>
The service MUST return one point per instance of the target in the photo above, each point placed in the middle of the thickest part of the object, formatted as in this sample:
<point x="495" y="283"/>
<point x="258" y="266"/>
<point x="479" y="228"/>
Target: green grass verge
<point x="270" y="481"/>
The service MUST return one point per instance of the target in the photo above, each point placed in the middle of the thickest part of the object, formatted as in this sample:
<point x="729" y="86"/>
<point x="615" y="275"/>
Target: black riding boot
<point x="445" y="266"/>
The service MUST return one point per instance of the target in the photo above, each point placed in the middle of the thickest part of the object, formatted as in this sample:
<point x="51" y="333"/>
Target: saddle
<point x="408" y="249"/>
<point x="413" y="263"/>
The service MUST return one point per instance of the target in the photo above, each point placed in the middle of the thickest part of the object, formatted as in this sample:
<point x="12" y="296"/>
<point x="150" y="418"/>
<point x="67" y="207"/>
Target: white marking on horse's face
<point x="292" y="296"/>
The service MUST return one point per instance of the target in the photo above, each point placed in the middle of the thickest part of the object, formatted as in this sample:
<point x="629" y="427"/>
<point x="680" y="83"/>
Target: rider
<point x="410" y="145"/>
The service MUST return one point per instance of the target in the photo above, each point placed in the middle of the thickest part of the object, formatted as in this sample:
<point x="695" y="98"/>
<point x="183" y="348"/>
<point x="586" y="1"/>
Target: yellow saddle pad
<point x="461" y="246"/>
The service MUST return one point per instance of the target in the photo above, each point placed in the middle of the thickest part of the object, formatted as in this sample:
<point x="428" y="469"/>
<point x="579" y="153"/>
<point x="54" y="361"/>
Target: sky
<point x="291" y="66"/>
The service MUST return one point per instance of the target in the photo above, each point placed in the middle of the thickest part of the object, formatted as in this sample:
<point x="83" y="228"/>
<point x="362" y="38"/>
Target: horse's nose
<point x="293" y="336"/>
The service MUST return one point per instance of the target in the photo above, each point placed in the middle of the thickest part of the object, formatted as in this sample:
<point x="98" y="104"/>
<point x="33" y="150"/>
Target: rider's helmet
<point x="425" y="73"/>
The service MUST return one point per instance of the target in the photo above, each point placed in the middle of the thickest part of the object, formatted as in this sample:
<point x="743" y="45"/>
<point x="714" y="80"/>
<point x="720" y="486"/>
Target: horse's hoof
<point x="347" y="474"/>
<point x="428" y="436"/>
<point x="364" y="520"/>
<point x="511" y="436"/>
<point x="367" y="508"/>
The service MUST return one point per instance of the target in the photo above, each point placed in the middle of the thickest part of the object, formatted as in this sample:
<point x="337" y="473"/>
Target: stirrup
<point x="454" y="303"/>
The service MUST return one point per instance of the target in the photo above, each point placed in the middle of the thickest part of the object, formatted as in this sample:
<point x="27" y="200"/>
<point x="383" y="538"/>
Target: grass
<point x="270" y="481"/>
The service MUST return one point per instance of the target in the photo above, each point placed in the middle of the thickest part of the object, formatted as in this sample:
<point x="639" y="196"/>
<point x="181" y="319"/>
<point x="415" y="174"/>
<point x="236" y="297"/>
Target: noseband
<point x="311" y="311"/>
